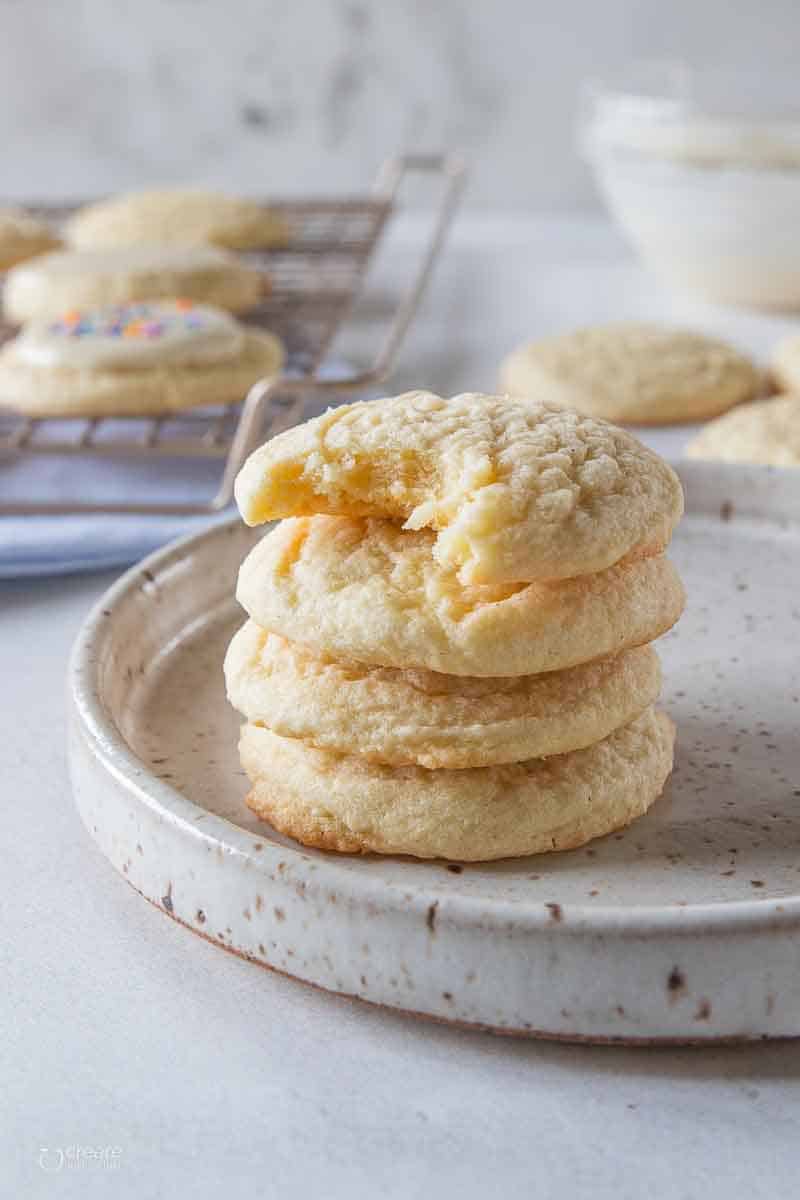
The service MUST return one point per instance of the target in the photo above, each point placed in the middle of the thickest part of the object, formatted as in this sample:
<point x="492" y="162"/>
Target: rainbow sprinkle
<point x="145" y="322"/>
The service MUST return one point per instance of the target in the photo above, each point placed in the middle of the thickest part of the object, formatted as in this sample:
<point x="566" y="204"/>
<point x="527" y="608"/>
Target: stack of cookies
<point x="448" y="651"/>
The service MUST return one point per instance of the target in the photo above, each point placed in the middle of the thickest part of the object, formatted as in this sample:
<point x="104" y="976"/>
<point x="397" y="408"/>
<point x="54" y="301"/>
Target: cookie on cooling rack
<point x="342" y="802"/>
<point x="22" y="236"/>
<point x="54" y="283"/>
<point x="134" y="360"/>
<point x="639" y="373"/>
<point x="181" y="215"/>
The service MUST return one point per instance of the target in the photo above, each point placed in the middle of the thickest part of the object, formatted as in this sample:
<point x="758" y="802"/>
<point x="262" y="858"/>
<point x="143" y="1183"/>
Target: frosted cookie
<point x="401" y="717"/>
<point x="645" y="374"/>
<point x="188" y="216"/>
<point x="344" y="803"/>
<point x="765" y="432"/>
<point x="515" y="490"/>
<point x="53" y="283"/>
<point x="22" y="236"/>
<point x="133" y="360"/>
<point x="368" y="591"/>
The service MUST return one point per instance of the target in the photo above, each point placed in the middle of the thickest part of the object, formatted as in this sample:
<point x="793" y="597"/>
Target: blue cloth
<point x="56" y="545"/>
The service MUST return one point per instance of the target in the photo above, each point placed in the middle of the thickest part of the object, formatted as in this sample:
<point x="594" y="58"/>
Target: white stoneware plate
<point x="684" y="928"/>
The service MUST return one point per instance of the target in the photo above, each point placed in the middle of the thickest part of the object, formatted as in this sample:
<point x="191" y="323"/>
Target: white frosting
<point x="132" y="336"/>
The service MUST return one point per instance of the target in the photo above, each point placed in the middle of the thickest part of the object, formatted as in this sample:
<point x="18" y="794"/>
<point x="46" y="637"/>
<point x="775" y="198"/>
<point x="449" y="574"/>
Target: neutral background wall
<point x="311" y="94"/>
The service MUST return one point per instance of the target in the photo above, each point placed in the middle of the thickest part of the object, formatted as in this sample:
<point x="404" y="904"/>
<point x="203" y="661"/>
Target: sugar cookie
<point x="344" y="803"/>
<point x="516" y="490"/>
<point x="401" y="717"/>
<point x="644" y="374"/>
<point x="370" y="592"/>
<point x="133" y="360"/>
<point x="765" y="432"/>
<point x="55" y="283"/>
<point x="187" y="216"/>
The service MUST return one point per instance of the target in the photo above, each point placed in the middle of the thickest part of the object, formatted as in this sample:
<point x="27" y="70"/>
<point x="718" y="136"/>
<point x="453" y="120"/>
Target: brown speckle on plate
<point x="430" y="916"/>
<point x="703" y="1010"/>
<point x="676" y="984"/>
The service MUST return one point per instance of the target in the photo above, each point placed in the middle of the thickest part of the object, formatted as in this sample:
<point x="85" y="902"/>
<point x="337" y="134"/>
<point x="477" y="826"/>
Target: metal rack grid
<point x="315" y="278"/>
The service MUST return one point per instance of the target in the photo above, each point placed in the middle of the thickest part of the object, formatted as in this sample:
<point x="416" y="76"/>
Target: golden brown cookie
<point x="400" y="717"/>
<point x="370" y="592"/>
<point x="515" y="490"/>
<point x="638" y="373"/>
<point x="345" y="803"/>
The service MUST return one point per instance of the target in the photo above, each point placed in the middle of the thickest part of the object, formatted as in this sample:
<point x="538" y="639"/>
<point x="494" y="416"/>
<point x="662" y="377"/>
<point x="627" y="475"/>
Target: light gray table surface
<point x="209" y="1076"/>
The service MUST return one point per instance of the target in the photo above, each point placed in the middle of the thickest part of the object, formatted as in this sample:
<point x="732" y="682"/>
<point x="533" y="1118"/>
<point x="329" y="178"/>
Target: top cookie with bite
<point x="515" y="490"/>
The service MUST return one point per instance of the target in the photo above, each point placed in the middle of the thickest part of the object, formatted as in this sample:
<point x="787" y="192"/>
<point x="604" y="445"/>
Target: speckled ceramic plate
<point x="685" y="927"/>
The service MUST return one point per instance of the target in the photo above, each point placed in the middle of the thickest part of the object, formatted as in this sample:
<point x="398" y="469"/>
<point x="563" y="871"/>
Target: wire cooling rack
<point x="315" y="278"/>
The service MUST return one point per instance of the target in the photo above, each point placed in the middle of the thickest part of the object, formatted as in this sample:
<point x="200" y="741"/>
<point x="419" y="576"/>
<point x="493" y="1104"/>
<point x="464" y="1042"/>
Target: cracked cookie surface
<point x="513" y="490"/>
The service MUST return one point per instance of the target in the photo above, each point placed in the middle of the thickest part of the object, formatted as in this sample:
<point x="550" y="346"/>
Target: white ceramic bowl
<point x="702" y="171"/>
